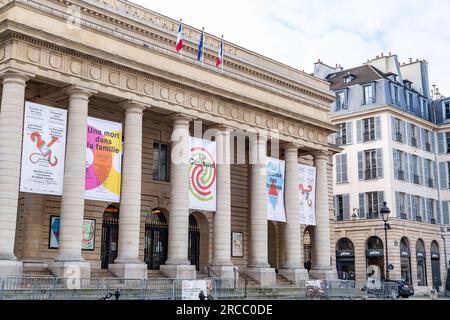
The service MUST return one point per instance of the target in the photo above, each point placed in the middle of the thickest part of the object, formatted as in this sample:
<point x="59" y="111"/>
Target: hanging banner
<point x="43" y="149"/>
<point x="202" y="177"/>
<point x="103" y="160"/>
<point x="275" y="190"/>
<point x="87" y="241"/>
<point x="307" y="189"/>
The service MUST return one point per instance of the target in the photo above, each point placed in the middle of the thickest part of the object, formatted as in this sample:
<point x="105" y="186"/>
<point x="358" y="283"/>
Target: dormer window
<point x="341" y="101"/>
<point x="446" y="110"/>
<point x="369" y="94"/>
<point x="349" y="78"/>
<point x="395" y="94"/>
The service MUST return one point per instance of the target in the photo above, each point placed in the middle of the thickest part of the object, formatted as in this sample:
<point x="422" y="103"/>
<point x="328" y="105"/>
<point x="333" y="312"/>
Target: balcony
<point x="430" y="183"/>
<point x="398" y="137"/>
<point x="372" y="215"/>
<point x="404" y="216"/>
<point x="414" y="142"/>
<point x="418" y="218"/>
<point x="416" y="179"/>
<point x="341" y="141"/>
<point x="433" y="221"/>
<point x="428" y="146"/>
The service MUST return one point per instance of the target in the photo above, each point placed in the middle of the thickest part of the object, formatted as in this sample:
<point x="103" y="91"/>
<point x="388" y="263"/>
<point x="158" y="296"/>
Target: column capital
<point x="79" y="90"/>
<point x="320" y="155"/>
<point x="131" y="106"/>
<point x="9" y="74"/>
<point x="221" y="127"/>
<point x="291" y="146"/>
<point x="181" y="118"/>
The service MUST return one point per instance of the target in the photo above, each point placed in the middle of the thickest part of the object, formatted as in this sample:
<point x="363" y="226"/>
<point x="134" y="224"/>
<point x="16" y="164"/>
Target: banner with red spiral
<point x="307" y="189"/>
<point x="203" y="174"/>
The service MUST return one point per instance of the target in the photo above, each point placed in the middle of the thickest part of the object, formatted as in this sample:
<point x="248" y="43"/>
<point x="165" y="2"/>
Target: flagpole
<point x="181" y="51"/>
<point x="203" y="45"/>
<point x="222" y="51"/>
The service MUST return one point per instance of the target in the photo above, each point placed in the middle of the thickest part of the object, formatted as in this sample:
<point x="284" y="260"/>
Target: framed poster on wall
<point x="88" y="240"/>
<point x="237" y="244"/>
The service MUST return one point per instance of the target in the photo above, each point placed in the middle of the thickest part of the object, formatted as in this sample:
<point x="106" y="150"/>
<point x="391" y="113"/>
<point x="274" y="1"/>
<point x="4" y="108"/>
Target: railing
<point x="428" y="147"/>
<point x="414" y="142"/>
<point x="211" y="271"/>
<point x="237" y="276"/>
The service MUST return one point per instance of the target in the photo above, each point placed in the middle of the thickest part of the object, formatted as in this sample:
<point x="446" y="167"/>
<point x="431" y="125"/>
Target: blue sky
<point x="347" y="32"/>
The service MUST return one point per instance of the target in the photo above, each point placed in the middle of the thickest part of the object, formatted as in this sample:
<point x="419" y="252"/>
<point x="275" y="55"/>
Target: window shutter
<point x="346" y="204"/>
<point x="361" y="165"/>
<point x="406" y="166"/>
<point x="380" y="200"/>
<point x="335" y="207"/>
<point x="445" y="212"/>
<point x="396" y="168"/>
<point x="409" y="206"/>
<point x="443" y="176"/>
<point x="433" y="142"/>
<point x="395" y="129"/>
<point x="378" y="135"/>
<point x="349" y="129"/>
<point x="422" y="209"/>
<point x="442" y="143"/>
<point x="374" y="92"/>
<point x="360" y="132"/>
<point x="338" y="169"/>
<point x="415" y="206"/>
<point x="425" y="210"/>
<point x="434" y="174"/>
<point x="398" y="204"/>
<point x="437" y="213"/>
<point x="419" y="138"/>
<point x="411" y="167"/>
<point x="423" y="134"/>
<point x="344" y="168"/>
<point x="403" y="131"/>
<point x="420" y="169"/>
<point x="362" y="205"/>
<point x="379" y="163"/>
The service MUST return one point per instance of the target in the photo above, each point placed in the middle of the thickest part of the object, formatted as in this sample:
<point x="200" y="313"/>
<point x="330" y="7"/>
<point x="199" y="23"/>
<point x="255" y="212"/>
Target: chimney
<point x="410" y="60"/>
<point x="382" y="54"/>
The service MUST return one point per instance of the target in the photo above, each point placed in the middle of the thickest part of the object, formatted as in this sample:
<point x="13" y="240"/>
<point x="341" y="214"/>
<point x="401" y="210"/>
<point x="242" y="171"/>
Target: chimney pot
<point x="382" y="54"/>
<point x="410" y="60"/>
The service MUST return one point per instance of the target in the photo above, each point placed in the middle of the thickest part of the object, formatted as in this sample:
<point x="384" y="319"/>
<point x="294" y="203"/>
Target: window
<point x="372" y="205"/>
<point x="395" y="94"/>
<point x="415" y="133"/>
<point x="402" y="205"/>
<point x="368" y="97"/>
<point x="341" y="168"/>
<point x="370" y="164"/>
<point x="415" y="169"/>
<point x="410" y="101"/>
<point x="428" y="141"/>
<point x="424" y="109"/>
<point x="428" y="175"/>
<point x="447" y="135"/>
<point x="369" y="129"/>
<point x="341" y="102"/>
<point x="160" y="162"/>
<point x="342" y="207"/>
<point x="400" y="165"/>
<point x="415" y="207"/>
<point x="446" y="110"/>
<point x="397" y="128"/>
<point x="430" y="211"/>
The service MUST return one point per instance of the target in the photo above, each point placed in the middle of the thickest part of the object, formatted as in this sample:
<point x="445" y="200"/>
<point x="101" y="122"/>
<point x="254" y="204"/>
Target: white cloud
<point x="337" y="31"/>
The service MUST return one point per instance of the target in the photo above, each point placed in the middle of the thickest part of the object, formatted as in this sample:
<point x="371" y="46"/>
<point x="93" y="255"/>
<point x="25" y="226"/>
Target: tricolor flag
<point x="219" y="60"/>
<point x="180" y="38"/>
<point x="200" y="56"/>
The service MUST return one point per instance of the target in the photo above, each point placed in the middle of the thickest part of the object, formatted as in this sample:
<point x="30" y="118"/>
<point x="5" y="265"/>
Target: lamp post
<point x="385" y="212"/>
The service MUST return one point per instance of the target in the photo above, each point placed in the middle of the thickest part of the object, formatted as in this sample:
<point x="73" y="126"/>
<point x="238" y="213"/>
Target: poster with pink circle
<point x="103" y="160"/>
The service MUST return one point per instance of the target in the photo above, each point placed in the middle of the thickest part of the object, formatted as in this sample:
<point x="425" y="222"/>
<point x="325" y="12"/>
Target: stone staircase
<point x="101" y="273"/>
<point x="156" y="274"/>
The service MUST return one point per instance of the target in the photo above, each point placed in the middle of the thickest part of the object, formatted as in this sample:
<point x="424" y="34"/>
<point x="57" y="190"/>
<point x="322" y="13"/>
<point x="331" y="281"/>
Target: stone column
<point x="11" y="126"/>
<point x="128" y="265"/>
<point x="292" y="269"/>
<point x="221" y="258"/>
<point x="69" y="262"/>
<point x="259" y="268"/>
<point x="322" y="268"/>
<point x="32" y="232"/>
<point x="177" y="265"/>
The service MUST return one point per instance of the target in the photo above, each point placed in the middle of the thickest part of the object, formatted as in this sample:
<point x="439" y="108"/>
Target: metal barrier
<point x="53" y="288"/>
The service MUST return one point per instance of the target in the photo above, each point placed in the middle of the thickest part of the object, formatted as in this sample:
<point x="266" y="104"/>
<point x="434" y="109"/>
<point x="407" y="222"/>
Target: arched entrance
<point x="156" y="239"/>
<point x="405" y="261"/>
<point x="345" y="259"/>
<point x="110" y="236"/>
<point x="307" y="248"/>
<point x="194" y="242"/>
<point x="421" y="264"/>
<point x="375" y="258"/>
<point x="435" y="265"/>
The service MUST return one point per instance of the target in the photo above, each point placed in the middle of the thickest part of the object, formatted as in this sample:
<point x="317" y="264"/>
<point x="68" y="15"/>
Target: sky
<point x="345" y="32"/>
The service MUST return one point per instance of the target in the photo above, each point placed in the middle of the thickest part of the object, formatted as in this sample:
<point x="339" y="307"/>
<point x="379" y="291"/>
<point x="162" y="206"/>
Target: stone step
<point x="101" y="273"/>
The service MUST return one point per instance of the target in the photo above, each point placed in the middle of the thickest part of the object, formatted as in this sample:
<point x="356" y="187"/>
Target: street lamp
<point x="385" y="212"/>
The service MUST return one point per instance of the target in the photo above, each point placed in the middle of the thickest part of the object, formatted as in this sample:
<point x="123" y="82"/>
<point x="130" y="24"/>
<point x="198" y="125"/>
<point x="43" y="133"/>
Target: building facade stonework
<point x="115" y="61"/>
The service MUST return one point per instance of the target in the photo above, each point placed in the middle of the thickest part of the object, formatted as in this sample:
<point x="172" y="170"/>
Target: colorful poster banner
<point x="43" y="149"/>
<point x="88" y="240"/>
<point x="103" y="160"/>
<point x="275" y="190"/>
<point x="307" y="189"/>
<point x="203" y="173"/>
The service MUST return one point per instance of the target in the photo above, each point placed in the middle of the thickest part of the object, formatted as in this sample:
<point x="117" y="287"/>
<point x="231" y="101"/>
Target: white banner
<point x="307" y="189"/>
<point x="275" y="190"/>
<point x="103" y="160"/>
<point x="43" y="150"/>
<point x="194" y="289"/>
<point x="202" y="176"/>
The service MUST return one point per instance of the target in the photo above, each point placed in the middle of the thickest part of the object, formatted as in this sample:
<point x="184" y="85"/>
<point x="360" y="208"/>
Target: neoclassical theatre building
<point x="115" y="61"/>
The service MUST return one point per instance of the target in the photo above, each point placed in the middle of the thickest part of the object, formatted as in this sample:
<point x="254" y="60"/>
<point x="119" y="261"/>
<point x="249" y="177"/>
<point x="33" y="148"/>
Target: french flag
<point x="180" y="38"/>
<point x="219" y="60"/>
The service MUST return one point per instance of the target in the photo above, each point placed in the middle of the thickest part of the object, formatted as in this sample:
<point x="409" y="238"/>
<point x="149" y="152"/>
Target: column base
<point x="294" y="275"/>
<point x="11" y="268"/>
<point x="74" y="270"/>
<point x="129" y="270"/>
<point x="327" y="274"/>
<point x="266" y="277"/>
<point x="173" y="271"/>
<point x="224" y="272"/>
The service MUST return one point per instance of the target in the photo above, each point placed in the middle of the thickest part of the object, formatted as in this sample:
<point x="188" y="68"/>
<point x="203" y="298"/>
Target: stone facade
<point x="115" y="62"/>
